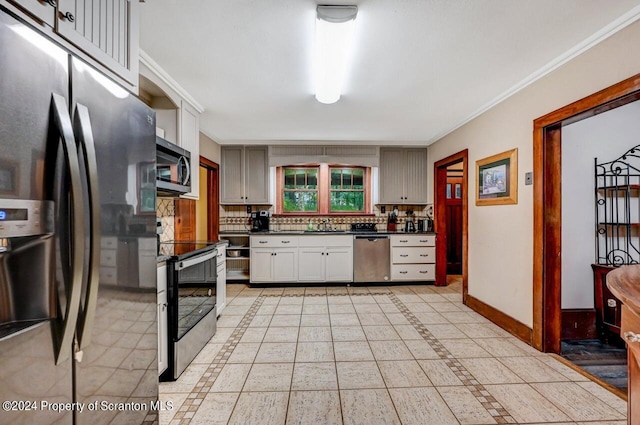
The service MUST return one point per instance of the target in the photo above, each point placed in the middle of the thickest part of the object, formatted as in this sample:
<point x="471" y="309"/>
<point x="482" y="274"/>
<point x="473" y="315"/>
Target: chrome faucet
<point x="324" y="226"/>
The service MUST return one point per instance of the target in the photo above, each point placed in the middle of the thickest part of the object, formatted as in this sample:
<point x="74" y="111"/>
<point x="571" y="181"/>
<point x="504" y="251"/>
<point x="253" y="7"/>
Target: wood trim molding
<point x="547" y="138"/>
<point x="440" y="171"/>
<point x="508" y="323"/>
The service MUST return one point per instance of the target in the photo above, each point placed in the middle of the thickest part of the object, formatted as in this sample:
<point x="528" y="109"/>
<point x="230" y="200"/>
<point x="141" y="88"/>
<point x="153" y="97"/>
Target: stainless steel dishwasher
<point x="371" y="262"/>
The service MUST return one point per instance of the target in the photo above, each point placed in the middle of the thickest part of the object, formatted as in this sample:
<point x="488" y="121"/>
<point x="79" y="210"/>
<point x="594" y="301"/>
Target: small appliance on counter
<point x="364" y="227"/>
<point x="260" y="221"/>
<point x="421" y="227"/>
<point x="409" y="225"/>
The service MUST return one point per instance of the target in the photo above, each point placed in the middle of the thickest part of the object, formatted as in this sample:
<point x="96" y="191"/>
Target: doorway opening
<point x="208" y="206"/>
<point x="547" y="235"/>
<point x="451" y="198"/>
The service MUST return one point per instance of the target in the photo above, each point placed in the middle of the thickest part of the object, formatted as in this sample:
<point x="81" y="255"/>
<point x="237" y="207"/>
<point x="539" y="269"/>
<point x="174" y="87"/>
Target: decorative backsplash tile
<point x="166" y="211"/>
<point x="236" y="219"/>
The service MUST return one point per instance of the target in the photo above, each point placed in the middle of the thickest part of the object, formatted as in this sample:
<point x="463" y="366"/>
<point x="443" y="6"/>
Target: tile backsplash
<point x="166" y="211"/>
<point x="234" y="218"/>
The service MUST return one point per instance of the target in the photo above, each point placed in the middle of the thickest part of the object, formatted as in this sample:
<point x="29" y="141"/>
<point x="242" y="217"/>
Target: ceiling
<point x="420" y="68"/>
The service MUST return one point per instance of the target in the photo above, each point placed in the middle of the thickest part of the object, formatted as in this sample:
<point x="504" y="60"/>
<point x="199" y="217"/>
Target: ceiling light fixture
<point x="334" y="30"/>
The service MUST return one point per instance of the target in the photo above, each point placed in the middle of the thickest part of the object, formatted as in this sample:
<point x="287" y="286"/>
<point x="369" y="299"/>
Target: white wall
<point x="606" y="136"/>
<point x="501" y="237"/>
<point x="209" y="149"/>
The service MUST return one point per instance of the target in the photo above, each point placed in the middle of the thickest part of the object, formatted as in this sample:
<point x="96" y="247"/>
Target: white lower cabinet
<point x="221" y="282"/>
<point x="413" y="257"/>
<point x="339" y="264"/>
<point x="163" y="331"/>
<point x="311" y="265"/>
<point x="274" y="264"/>
<point x="325" y="258"/>
<point x="312" y="258"/>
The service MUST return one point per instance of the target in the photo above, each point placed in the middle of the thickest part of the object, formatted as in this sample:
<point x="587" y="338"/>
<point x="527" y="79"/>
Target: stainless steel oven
<point x="191" y="297"/>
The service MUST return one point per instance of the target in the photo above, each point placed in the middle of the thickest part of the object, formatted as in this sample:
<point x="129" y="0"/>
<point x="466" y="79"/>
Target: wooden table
<point x="624" y="283"/>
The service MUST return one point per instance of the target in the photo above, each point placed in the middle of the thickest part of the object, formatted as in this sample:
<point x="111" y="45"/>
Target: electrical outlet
<point x="248" y="209"/>
<point x="528" y="178"/>
<point x="383" y="209"/>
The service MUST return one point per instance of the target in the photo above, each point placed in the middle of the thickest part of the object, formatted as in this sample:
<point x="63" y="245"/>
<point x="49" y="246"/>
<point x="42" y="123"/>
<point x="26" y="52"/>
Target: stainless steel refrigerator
<point x="78" y="321"/>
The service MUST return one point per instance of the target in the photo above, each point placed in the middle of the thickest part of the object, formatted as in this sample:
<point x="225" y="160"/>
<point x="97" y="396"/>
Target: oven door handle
<point x="196" y="260"/>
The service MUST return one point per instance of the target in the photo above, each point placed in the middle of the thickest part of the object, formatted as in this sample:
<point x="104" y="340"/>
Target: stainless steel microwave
<point x="173" y="169"/>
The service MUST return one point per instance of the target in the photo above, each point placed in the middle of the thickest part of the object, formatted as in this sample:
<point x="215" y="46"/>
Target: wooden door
<point x="453" y="202"/>
<point x="185" y="224"/>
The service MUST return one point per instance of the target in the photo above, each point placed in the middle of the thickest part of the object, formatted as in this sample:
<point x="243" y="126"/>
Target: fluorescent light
<point x="334" y="30"/>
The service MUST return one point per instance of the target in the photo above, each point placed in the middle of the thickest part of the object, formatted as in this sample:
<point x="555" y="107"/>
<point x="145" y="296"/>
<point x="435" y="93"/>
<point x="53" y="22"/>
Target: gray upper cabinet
<point x="244" y="175"/>
<point x="103" y="32"/>
<point x="403" y="176"/>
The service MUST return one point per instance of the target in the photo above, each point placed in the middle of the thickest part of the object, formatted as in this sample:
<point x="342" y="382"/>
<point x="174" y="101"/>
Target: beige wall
<point x="501" y="237"/>
<point x="209" y="149"/>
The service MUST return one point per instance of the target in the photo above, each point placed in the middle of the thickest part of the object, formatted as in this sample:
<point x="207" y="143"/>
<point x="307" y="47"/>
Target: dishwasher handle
<point x="372" y="238"/>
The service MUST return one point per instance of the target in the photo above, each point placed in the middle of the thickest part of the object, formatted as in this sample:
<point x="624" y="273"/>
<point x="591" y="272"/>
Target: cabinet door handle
<point x="285" y="241"/>
<point x="404" y="272"/>
<point x="424" y="255"/>
<point x="51" y="3"/>
<point x="68" y="16"/>
<point x="262" y="241"/>
<point x="631" y="336"/>
<point x="404" y="255"/>
<point x="423" y="241"/>
<point x="404" y="241"/>
<point x="424" y="271"/>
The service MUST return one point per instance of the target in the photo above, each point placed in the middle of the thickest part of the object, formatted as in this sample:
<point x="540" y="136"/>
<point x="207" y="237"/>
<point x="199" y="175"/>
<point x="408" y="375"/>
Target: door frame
<point x="440" y="227"/>
<point x="213" y="198"/>
<point x="547" y="208"/>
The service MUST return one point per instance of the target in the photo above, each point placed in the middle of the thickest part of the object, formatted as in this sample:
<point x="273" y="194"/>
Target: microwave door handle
<point x="186" y="178"/>
<point x="63" y="123"/>
<point x="84" y="134"/>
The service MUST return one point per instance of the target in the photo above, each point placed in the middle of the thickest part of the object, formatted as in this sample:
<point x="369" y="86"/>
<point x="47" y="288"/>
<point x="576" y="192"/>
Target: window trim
<point x="324" y="190"/>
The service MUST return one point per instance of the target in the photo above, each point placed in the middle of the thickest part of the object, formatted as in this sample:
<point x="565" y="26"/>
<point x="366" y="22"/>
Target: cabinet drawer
<point x="403" y="255"/>
<point x="324" y="240"/>
<point x="109" y="242"/>
<point x="273" y="242"/>
<point x="108" y="257"/>
<point x="413" y="240"/>
<point x="413" y="272"/>
<point x="109" y="275"/>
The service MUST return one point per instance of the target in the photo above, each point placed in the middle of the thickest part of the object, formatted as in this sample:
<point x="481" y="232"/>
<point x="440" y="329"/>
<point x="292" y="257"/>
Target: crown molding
<point x="147" y="61"/>
<point x="622" y="22"/>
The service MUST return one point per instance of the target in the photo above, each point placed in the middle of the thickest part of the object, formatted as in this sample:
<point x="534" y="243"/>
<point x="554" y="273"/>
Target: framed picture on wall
<point x="497" y="179"/>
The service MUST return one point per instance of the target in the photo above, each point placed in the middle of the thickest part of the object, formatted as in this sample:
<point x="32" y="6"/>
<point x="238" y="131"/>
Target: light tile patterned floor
<point x="374" y="355"/>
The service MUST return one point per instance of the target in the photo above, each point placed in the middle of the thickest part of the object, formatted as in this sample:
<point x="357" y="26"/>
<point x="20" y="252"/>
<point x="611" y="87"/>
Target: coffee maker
<point x="260" y="221"/>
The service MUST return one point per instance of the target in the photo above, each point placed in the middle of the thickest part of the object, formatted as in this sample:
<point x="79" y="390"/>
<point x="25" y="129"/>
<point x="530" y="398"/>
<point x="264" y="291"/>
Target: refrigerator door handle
<point x="62" y="121"/>
<point x="84" y="134"/>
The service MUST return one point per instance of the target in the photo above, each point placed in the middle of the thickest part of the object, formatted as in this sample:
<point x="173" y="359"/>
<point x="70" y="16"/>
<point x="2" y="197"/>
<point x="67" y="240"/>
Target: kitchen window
<point x="300" y="192"/>
<point x="323" y="189"/>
